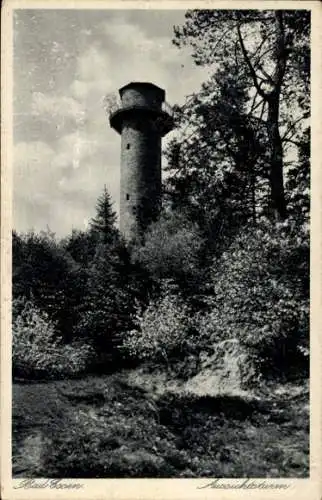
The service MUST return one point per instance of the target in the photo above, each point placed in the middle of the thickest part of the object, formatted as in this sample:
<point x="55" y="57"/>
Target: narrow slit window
<point x="128" y="146"/>
<point x="127" y="196"/>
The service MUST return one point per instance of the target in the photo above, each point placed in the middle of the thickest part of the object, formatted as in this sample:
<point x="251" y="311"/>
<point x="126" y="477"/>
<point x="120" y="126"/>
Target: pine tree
<point x="103" y="224"/>
<point x="271" y="54"/>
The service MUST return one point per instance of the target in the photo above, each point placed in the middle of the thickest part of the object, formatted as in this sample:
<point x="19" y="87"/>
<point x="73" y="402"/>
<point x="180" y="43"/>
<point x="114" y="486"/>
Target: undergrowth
<point x="105" y="427"/>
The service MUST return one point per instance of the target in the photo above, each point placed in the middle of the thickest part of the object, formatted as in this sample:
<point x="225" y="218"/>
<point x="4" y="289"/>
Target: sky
<point x="65" y="62"/>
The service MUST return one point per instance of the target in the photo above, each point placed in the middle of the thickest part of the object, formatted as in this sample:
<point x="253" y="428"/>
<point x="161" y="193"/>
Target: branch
<point x="253" y="104"/>
<point x="260" y="19"/>
<point x="253" y="107"/>
<point x="291" y="127"/>
<point x="269" y="77"/>
<point x="259" y="48"/>
<point x="230" y="151"/>
<point x="263" y="80"/>
<point x="236" y="57"/>
<point x="260" y="117"/>
<point x="280" y="51"/>
<point x="296" y="143"/>
<point x="250" y="66"/>
<point x="263" y="109"/>
<point x="263" y="54"/>
<point x="221" y="39"/>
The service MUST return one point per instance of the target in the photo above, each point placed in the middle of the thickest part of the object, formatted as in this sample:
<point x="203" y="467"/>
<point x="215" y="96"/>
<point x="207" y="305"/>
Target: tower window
<point x="127" y="196"/>
<point x="128" y="146"/>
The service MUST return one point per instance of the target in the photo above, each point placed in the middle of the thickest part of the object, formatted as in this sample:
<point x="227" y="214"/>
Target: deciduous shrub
<point x="45" y="272"/>
<point x="165" y="331"/>
<point x="172" y="249"/>
<point x="37" y="351"/>
<point x="261" y="300"/>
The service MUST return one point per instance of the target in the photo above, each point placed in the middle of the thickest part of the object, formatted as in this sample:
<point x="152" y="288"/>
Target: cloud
<point x="159" y="49"/>
<point x="59" y="186"/>
<point x="74" y="148"/>
<point x="32" y="162"/>
<point x="32" y="175"/>
<point x="92" y="62"/>
<point x="126" y="53"/>
<point x="55" y="105"/>
<point x="59" y="176"/>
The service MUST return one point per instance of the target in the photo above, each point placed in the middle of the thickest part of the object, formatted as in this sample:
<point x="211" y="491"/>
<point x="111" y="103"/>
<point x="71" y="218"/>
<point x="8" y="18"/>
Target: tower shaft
<point x="140" y="196"/>
<point x="142" y="123"/>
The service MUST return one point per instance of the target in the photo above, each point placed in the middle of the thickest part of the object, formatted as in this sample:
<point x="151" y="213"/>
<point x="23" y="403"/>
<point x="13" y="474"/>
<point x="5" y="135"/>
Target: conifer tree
<point x="103" y="224"/>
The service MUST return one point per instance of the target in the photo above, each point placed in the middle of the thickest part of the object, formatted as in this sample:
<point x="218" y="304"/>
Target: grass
<point x="106" y="427"/>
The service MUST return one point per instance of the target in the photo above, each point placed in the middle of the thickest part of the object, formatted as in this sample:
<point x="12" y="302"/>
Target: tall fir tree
<point x="103" y="224"/>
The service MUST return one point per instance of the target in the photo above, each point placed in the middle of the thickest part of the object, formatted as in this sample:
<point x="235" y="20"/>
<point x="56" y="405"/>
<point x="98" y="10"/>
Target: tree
<point x="44" y="272"/>
<point x="108" y="307"/>
<point x="81" y="245"/>
<point x="271" y="53"/>
<point x="215" y="166"/>
<point x="103" y="224"/>
<point x="298" y="183"/>
<point x="261" y="299"/>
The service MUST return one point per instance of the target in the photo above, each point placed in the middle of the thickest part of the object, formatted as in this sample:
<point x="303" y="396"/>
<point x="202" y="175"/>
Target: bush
<point x="261" y="300"/>
<point x="46" y="274"/>
<point x="165" y="331"/>
<point x="172" y="249"/>
<point x="37" y="351"/>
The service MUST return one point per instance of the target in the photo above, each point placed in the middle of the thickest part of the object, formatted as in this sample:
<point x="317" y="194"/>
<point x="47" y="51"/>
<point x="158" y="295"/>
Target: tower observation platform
<point x="142" y="118"/>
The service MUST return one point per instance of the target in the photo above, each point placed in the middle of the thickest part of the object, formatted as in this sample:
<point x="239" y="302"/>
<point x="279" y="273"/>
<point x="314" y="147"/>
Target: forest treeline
<point x="225" y="269"/>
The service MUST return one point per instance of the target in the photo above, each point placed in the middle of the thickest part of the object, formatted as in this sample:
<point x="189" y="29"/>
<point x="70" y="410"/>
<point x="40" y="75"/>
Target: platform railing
<point x="113" y="103"/>
<point x="167" y="108"/>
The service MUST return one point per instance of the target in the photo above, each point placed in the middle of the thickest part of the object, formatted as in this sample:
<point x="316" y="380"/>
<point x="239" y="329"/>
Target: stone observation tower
<point x="142" y="119"/>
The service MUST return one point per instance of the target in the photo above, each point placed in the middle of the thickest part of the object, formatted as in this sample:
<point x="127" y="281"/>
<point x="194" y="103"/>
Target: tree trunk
<point x="276" y="147"/>
<point x="276" y="159"/>
<point x="272" y="98"/>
